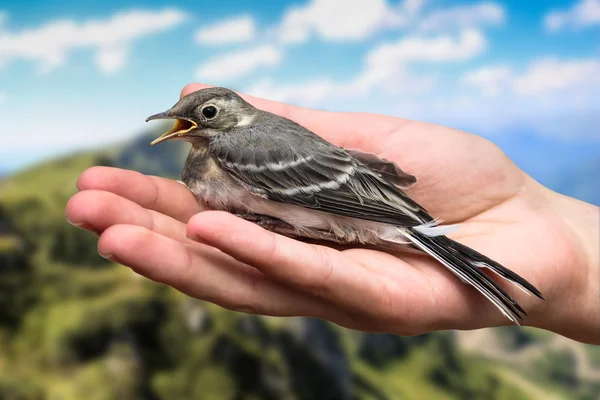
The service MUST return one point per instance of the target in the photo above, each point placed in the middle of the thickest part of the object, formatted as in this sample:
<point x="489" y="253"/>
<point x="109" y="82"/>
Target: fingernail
<point x="109" y="257"/>
<point x="77" y="224"/>
<point x="245" y="310"/>
<point x="83" y="225"/>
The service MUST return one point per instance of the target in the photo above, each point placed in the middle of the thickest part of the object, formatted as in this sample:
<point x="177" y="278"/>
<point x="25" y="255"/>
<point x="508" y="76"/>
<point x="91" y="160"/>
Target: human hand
<point x="156" y="227"/>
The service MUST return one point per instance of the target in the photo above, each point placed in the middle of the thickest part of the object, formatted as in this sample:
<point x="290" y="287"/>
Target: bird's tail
<point x="466" y="263"/>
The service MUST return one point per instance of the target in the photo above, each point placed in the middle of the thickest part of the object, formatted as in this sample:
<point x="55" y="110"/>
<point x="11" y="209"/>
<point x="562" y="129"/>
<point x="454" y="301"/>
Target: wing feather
<point x="300" y="168"/>
<point x="390" y="170"/>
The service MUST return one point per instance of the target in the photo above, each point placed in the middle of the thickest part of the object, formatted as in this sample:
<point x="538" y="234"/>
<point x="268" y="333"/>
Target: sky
<point x="524" y="74"/>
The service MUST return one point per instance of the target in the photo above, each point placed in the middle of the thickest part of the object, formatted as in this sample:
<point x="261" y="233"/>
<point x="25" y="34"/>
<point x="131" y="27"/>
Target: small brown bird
<point x="278" y="174"/>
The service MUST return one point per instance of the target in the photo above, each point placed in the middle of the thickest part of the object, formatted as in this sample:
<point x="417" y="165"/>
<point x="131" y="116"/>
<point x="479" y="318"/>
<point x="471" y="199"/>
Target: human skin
<point x="156" y="227"/>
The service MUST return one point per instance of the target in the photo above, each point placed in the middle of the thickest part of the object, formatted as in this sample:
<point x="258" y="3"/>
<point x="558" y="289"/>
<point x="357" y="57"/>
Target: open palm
<point x="156" y="227"/>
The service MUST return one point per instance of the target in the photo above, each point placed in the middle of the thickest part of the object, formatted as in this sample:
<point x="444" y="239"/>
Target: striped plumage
<point x="249" y="161"/>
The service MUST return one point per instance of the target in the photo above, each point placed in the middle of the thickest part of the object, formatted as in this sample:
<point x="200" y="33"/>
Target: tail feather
<point x="480" y="260"/>
<point x="463" y="262"/>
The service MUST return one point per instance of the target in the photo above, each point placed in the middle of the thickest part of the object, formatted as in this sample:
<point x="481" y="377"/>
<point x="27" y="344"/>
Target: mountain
<point x="164" y="160"/>
<point x="73" y="325"/>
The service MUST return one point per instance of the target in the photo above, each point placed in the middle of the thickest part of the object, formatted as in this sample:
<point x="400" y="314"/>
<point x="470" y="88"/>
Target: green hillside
<point x="74" y="326"/>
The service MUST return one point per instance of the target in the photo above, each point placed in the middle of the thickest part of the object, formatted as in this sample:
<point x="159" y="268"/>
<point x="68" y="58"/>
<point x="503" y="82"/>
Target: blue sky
<point x="524" y="74"/>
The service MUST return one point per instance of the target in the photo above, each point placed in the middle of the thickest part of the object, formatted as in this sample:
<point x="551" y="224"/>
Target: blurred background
<point x="77" y="80"/>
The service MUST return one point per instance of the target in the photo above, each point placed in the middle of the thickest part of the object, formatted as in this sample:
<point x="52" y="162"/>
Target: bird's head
<point x="204" y="114"/>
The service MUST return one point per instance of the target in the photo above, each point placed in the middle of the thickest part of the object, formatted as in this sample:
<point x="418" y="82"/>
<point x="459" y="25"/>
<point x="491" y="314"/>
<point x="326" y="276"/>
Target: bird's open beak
<point x="181" y="127"/>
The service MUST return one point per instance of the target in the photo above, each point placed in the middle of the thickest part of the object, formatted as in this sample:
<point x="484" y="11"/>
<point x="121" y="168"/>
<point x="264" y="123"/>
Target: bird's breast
<point x="209" y="182"/>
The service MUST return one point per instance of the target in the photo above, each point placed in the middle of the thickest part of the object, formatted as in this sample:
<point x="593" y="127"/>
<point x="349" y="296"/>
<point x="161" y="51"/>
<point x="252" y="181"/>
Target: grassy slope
<point x="50" y="182"/>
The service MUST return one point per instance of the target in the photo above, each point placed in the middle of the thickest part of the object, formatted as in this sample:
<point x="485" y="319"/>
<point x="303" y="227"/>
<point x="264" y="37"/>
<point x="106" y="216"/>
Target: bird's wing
<point x="386" y="168"/>
<point x="303" y="169"/>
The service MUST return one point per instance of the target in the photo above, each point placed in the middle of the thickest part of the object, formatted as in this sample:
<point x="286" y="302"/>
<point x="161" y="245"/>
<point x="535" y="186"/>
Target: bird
<point x="278" y="174"/>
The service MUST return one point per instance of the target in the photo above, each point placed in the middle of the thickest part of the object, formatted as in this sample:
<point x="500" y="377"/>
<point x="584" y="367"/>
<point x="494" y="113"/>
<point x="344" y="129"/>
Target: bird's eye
<point x="209" y="112"/>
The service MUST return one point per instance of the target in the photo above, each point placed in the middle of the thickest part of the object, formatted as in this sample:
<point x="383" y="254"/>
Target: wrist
<point x="572" y="306"/>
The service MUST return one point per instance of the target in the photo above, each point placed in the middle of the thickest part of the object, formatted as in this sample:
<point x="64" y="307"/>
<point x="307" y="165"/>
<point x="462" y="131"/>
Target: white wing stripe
<point x="333" y="184"/>
<point x="279" y="166"/>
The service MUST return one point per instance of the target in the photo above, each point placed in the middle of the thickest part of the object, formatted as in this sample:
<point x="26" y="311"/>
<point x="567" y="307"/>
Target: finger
<point x="318" y="270"/>
<point x="159" y="194"/>
<point x="350" y="130"/>
<point x="207" y="275"/>
<point x="438" y="299"/>
<point x="97" y="210"/>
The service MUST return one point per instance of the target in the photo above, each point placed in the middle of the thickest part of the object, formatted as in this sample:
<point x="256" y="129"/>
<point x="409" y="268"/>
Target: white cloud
<point x="235" y="30"/>
<point x="551" y="75"/>
<point x="2" y="98"/>
<point x="386" y="65"/>
<point x="308" y="93"/>
<point x="412" y="7"/>
<point x="322" y="91"/>
<point x="50" y="45"/>
<point x="465" y="16"/>
<point x="553" y="115"/>
<point x="386" y="68"/>
<point x="110" y="60"/>
<point x="337" y="20"/>
<point x="548" y="96"/>
<point x="468" y="44"/>
<point x="489" y="79"/>
<point x="583" y="14"/>
<point x="542" y="77"/>
<point x="237" y="64"/>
